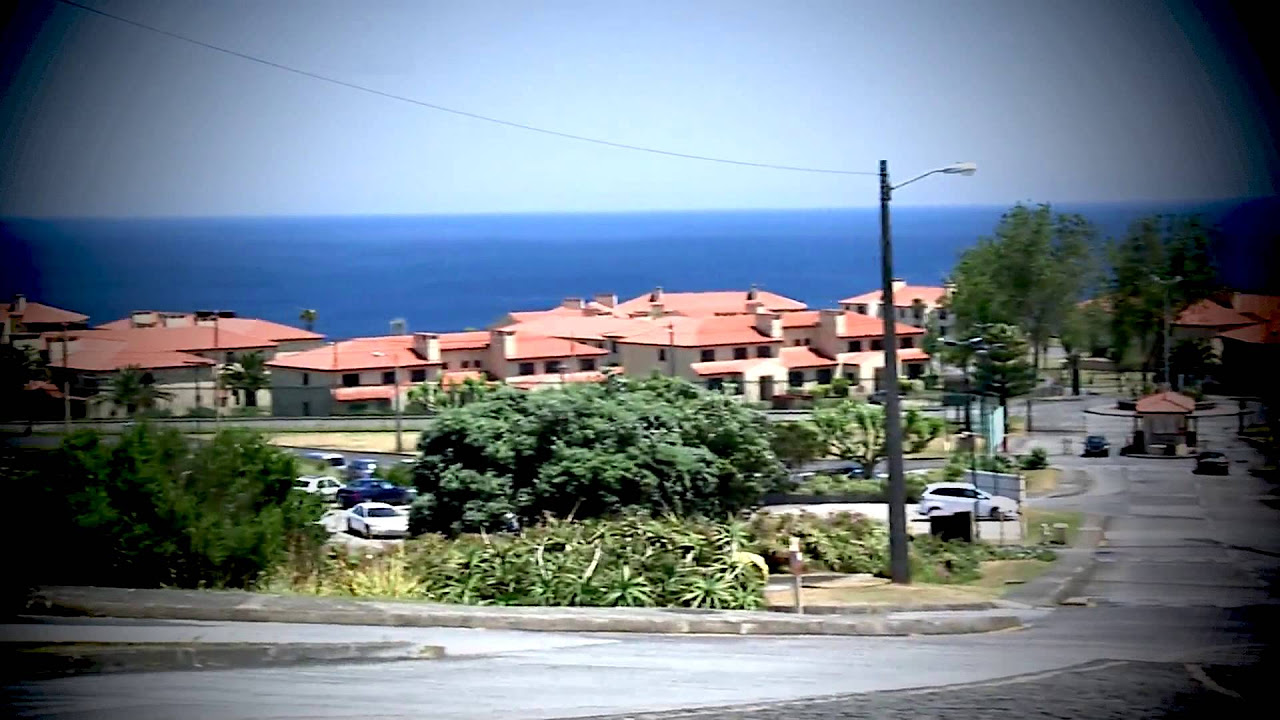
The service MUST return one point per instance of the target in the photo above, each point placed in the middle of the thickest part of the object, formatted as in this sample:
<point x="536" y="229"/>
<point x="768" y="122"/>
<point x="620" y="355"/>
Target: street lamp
<point x="395" y="394"/>
<point x="1165" y="283"/>
<point x="899" y="565"/>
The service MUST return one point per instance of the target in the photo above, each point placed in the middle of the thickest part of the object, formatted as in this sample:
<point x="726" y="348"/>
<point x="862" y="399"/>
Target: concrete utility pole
<point x="66" y="386"/>
<point x="899" y="565"/>
<point x="1165" y="283"/>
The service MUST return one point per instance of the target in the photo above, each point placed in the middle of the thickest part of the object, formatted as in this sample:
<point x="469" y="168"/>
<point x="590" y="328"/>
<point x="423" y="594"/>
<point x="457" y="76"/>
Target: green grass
<point x="1035" y="535"/>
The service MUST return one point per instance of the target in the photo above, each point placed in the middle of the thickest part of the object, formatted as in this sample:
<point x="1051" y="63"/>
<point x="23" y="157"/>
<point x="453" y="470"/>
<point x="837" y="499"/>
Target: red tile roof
<point x="470" y="340"/>
<point x="1166" y="402"/>
<point x="529" y="346"/>
<point x="528" y="382"/>
<point x="355" y="355"/>
<point x="41" y="314"/>
<point x="364" y="392"/>
<point x="1263" y="307"/>
<point x="801" y="319"/>
<point x="710" y="331"/>
<point x="1207" y="313"/>
<point x="903" y="297"/>
<point x="93" y="351"/>
<point x="857" y="325"/>
<point x="590" y="309"/>
<point x="702" y="304"/>
<point x="1264" y="333"/>
<point x="802" y="356"/>
<point x="261" y="330"/>
<point x="182" y="339"/>
<point x="599" y="327"/>
<point x="912" y="354"/>
<point x="728" y="367"/>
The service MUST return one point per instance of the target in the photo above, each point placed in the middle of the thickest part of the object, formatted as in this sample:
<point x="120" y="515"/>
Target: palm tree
<point x="248" y="376"/>
<point x="134" y="390"/>
<point x="308" y="318"/>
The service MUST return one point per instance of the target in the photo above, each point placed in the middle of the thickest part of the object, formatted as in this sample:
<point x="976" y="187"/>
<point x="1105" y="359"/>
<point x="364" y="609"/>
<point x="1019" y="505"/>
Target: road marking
<point x="1203" y="678"/>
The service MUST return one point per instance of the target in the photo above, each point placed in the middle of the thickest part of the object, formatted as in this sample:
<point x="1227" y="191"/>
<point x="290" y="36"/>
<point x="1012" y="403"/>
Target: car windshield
<point x="382" y="512"/>
<point x="302" y="483"/>
<point x="335" y="462"/>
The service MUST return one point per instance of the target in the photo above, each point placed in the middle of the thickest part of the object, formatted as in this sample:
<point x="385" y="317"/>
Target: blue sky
<point x="1082" y="101"/>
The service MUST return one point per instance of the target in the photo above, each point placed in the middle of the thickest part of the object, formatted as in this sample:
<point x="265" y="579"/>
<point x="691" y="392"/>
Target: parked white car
<point x="951" y="498"/>
<point x="322" y="485"/>
<point x="375" y="519"/>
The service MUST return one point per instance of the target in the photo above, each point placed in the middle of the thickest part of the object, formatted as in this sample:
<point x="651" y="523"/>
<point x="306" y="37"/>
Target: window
<point x="807" y="341"/>
<point x="877" y="345"/>
<point x="526" y="369"/>
<point x="553" y="366"/>
<point x="739" y="353"/>
<point x="350" y="379"/>
<point x="477" y="364"/>
<point x="715" y="383"/>
<point x="148" y="379"/>
<point x="915" y="371"/>
<point x="389" y="377"/>
<point x="466" y="364"/>
<point x="306" y="378"/>
<point x="942" y="313"/>
<point x="708" y="355"/>
<point x="906" y="342"/>
<point x="824" y="376"/>
<point x="613" y="346"/>
<point x="417" y="376"/>
<point x="231" y="357"/>
<point x="861" y="309"/>
<point x="764" y="351"/>
<point x="662" y="354"/>
<point x="306" y="408"/>
<point x="587" y="364"/>
<point x="795" y="378"/>
<point x="444" y="366"/>
<point x="852" y="375"/>
<point x="855" y="346"/>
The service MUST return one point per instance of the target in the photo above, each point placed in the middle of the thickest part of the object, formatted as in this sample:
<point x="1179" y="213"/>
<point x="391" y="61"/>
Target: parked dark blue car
<point x="375" y="490"/>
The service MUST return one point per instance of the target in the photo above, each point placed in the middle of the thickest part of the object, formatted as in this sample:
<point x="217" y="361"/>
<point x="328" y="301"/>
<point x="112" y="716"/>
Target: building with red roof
<point x="915" y="305"/>
<point x="22" y="321"/>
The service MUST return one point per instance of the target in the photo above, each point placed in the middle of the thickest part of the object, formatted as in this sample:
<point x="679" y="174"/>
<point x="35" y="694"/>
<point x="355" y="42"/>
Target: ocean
<point x="446" y="273"/>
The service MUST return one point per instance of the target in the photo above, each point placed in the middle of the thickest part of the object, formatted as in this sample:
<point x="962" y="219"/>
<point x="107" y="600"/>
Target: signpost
<point x="797" y="566"/>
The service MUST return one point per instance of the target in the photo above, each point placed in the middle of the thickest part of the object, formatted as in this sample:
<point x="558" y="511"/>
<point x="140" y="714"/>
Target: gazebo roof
<point x="1166" y="402"/>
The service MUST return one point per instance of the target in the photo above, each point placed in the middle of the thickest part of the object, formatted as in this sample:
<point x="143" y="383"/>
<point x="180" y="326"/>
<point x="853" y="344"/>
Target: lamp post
<point x="395" y="394"/>
<point x="1165" y="283"/>
<point x="899" y="565"/>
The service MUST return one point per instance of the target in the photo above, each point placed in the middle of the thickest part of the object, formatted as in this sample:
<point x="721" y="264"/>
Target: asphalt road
<point x="1184" y="617"/>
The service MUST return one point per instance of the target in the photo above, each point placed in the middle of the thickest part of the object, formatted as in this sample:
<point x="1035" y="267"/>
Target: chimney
<point x="656" y="310"/>
<point x="753" y="293"/>
<point x="573" y="304"/>
<point x="606" y="299"/>
<point x="505" y="342"/>
<point x="142" y="318"/>
<point x="898" y="285"/>
<point x="755" y="307"/>
<point x="19" y="304"/>
<point x="656" y="295"/>
<point x="427" y="345"/>
<point x="769" y="323"/>
<point x="399" y="326"/>
<point x="831" y="323"/>
<point x="175" y="320"/>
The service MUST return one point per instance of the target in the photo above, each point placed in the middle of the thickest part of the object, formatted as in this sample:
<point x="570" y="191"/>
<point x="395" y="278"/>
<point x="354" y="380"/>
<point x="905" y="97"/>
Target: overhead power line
<point x="453" y="111"/>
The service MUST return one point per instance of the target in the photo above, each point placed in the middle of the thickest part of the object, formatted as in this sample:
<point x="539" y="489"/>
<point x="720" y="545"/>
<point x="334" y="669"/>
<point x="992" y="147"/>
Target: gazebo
<point x="1165" y="419"/>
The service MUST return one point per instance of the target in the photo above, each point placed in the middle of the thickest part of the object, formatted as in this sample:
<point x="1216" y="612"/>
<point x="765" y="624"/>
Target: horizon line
<point x="643" y="211"/>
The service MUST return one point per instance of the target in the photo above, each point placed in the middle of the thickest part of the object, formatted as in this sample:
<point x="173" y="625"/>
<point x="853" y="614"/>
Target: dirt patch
<point x="375" y="442"/>
<point x="1042" y="482"/>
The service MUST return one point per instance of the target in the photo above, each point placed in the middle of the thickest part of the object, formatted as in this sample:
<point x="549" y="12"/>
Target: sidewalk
<point x="246" y="606"/>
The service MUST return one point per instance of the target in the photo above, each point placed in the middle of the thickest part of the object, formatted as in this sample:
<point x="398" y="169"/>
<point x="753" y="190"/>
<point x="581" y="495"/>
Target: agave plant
<point x="627" y="589"/>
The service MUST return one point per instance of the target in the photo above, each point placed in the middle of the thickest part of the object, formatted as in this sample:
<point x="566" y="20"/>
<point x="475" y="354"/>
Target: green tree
<point x="796" y="443"/>
<point x="1003" y="371"/>
<point x="248" y="376"/>
<point x="308" y="319"/>
<point x="855" y="431"/>
<point x="155" y="509"/>
<point x="134" y="389"/>
<point x="657" y="445"/>
<point x="1074" y="337"/>
<point x="1157" y="253"/>
<point x="1194" y="358"/>
<point x="1031" y="274"/>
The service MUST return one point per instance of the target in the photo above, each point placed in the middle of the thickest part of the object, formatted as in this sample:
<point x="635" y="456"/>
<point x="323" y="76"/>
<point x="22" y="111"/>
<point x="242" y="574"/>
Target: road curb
<point x="42" y="660"/>
<point x="1091" y="536"/>
<point x="248" y="607"/>
<point x="885" y="609"/>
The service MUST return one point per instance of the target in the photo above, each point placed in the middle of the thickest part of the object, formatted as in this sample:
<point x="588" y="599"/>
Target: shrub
<point x="637" y="561"/>
<point x="657" y="446"/>
<point x="840" y="387"/>
<point x="154" y="509"/>
<point x="1038" y="459"/>
<point x="200" y="411"/>
<point x="871" y="490"/>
